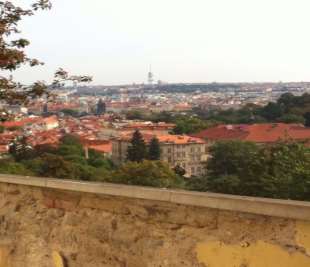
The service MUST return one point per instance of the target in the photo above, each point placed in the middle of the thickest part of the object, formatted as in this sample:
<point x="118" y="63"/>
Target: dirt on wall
<point x="89" y="230"/>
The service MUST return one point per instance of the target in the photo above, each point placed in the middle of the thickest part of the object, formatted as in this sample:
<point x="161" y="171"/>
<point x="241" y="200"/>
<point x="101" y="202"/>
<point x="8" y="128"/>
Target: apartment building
<point x="188" y="152"/>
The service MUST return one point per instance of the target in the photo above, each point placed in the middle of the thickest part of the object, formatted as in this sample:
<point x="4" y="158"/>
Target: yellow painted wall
<point x="303" y="235"/>
<point x="261" y="254"/>
<point x="258" y="254"/>
<point x="4" y="257"/>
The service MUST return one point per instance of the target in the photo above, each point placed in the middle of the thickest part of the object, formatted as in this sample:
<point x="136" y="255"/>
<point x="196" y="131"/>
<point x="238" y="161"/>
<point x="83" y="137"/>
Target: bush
<point x="11" y="167"/>
<point x="147" y="173"/>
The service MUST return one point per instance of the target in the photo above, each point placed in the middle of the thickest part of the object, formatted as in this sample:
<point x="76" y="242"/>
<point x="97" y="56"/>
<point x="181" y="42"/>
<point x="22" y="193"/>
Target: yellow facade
<point x="258" y="254"/>
<point x="4" y="257"/>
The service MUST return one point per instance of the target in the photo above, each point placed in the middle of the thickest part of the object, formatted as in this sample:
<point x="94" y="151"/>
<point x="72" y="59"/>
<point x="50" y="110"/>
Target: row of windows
<point x="196" y="170"/>
<point x="169" y="150"/>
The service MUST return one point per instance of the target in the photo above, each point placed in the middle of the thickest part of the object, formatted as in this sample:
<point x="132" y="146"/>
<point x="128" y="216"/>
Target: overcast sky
<point x="115" y="41"/>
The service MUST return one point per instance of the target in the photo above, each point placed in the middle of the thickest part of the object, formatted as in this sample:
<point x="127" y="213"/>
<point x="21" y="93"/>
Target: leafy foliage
<point x="65" y="161"/>
<point x="101" y="107"/>
<point x="185" y="123"/>
<point x="288" y="109"/>
<point x="13" y="55"/>
<point x="70" y="112"/>
<point x="278" y="171"/>
<point x="12" y="167"/>
<point x="146" y="173"/>
<point x="179" y="170"/>
<point x="12" y="52"/>
<point x="154" y="149"/>
<point x="137" y="151"/>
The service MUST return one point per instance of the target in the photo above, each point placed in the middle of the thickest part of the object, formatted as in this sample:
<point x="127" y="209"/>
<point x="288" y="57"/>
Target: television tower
<point x="150" y="76"/>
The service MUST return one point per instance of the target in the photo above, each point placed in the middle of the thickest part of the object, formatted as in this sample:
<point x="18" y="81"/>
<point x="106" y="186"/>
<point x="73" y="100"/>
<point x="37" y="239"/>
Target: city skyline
<point x="209" y="41"/>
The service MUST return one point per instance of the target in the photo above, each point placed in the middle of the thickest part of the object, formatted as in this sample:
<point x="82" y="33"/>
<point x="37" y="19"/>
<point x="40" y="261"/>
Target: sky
<point x="116" y="41"/>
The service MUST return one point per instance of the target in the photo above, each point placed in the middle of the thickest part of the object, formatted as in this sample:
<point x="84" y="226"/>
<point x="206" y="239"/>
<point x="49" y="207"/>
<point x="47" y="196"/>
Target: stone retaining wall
<point x="91" y="224"/>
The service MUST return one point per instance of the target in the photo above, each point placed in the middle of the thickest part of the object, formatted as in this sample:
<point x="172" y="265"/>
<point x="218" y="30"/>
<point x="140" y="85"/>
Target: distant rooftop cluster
<point x="258" y="133"/>
<point x="102" y="122"/>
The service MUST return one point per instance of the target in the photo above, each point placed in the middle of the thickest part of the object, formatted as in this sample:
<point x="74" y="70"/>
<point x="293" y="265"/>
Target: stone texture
<point x="93" y="230"/>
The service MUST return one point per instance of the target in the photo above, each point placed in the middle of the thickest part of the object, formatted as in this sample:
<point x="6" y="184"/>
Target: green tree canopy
<point x="137" y="151"/>
<point x="154" y="149"/>
<point x="307" y="119"/>
<point x="13" y="55"/>
<point x="101" y="107"/>
<point x="146" y="173"/>
<point x="278" y="171"/>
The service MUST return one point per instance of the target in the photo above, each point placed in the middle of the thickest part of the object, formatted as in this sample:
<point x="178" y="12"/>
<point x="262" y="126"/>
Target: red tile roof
<point x="20" y="123"/>
<point x="260" y="133"/>
<point x="164" y="138"/>
<point x="4" y="148"/>
<point x="103" y="148"/>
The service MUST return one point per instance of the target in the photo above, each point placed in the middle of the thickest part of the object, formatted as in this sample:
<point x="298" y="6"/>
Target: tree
<point x="147" y="173"/>
<point x="45" y="108"/>
<point x="281" y="170"/>
<point x="287" y="100"/>
<point x="70" y="112"/>
<point x="272" y="111"/>
<point x="288" y="171"/>
<point x="20" y="149"/>
<point x="13" y="56"/>
<point x="71" y="149"/>
<point x="101" y="107"/>
<point x="235" y="167"/>
<point x="70" y="140"/>
<point x="12" y="52"/>
<point x="307" y="119"/>
<point x="179" y="170"/>
<point x="137" y="150"/>
<point x="154" y="149"/>
<point x="11" y="167"/>
<point x="56" y="166"/>
<point x="98" y="160"/>
<point x="292" y="118"/>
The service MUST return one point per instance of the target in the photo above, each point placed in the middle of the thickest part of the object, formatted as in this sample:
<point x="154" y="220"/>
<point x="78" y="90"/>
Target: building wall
<point x="49" y="223"/>
<point x="191" y="157"/>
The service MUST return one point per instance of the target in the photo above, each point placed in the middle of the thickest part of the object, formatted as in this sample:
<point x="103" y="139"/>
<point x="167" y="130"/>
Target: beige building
<point x="188" y="152"/>
<point x="114" y="130"/>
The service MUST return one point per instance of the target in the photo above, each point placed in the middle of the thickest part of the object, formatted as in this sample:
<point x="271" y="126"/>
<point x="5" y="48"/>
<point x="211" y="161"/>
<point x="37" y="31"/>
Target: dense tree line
<point x="280" y="170"/>
<point x="68" y="160"/>
<point x="243" y="168"/>
<point x="287" y="109"/>
<point x="139" y="150"/>
<point x="186" y="123"/>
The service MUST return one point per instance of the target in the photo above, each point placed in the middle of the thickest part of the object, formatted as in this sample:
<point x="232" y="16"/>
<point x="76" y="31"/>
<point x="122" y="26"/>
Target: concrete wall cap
<point x="261" y="206"/>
